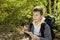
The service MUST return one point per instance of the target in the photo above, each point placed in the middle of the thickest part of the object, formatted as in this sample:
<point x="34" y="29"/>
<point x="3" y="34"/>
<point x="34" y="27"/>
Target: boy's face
<point x="36" y="16"/>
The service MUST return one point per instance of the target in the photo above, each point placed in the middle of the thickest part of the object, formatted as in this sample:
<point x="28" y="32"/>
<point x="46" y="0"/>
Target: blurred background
<point x="14" y="14"/>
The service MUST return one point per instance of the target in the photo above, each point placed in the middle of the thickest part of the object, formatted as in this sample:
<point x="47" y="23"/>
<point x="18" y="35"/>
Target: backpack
<point x="51" y="22"/>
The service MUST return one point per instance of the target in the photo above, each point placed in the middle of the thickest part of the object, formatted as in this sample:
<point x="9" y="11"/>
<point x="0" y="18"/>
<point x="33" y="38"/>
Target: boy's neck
<point x="38" y="22"/>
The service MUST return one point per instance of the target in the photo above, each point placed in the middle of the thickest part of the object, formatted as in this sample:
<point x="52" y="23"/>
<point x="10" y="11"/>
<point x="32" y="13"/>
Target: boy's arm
<point x="47" y="33"/>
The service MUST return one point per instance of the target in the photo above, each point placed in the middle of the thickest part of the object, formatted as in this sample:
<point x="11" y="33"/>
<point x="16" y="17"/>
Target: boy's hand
<point x="25" y="29"/>
<point x="34" y="37"/>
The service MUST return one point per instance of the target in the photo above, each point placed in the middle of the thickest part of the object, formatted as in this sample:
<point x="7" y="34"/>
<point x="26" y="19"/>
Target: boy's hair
<point x="38" y="9"/>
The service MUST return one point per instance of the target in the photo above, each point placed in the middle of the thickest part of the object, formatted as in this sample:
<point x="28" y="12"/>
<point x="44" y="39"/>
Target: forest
<point x="14" y="14"/>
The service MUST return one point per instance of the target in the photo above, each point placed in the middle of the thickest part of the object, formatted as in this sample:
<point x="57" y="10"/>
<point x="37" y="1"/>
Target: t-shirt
<point x="36" y="31"/>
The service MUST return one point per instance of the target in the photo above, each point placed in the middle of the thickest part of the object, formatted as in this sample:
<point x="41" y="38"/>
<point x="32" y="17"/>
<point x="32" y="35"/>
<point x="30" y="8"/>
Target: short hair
<point x="38" y="9"/>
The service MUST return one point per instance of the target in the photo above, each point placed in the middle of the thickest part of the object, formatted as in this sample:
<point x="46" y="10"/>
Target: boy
<point x="35" y="29"/>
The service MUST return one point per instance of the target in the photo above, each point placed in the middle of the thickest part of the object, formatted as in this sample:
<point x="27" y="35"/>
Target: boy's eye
<point x="35" y="15"/>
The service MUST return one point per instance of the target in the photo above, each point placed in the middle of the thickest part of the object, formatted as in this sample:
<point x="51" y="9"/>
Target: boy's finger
<point x="25" y="27"/>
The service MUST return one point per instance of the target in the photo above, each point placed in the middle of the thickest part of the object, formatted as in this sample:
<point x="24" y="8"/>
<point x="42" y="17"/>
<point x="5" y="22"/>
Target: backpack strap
<point x="42" y="29"/>
<point x="30" y="26"/>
